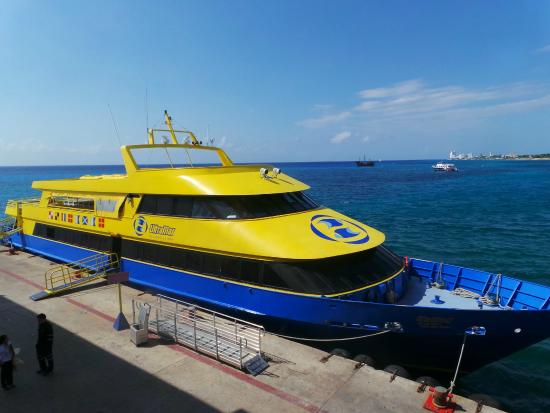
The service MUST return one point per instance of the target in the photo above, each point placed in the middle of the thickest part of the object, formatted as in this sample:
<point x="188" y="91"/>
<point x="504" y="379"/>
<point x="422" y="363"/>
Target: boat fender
<point x="428" y="381"/>
<point x="341" y="353"/>
<point x="485" y="400"/>
<point x="364" y="359"/>
<point x="396" y="370"/>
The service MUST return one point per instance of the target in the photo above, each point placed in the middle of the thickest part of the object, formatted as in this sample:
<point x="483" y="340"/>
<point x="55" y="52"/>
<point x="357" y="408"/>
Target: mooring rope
<point x="329" y="339"/>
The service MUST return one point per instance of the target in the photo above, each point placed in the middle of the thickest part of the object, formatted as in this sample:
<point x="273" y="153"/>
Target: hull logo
<point x="140" y="226"/>
<point x="337" y="229"/>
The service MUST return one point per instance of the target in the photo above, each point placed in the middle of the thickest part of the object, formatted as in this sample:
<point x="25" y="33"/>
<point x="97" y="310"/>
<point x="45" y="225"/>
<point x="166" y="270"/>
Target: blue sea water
<point x="493" y="215"/>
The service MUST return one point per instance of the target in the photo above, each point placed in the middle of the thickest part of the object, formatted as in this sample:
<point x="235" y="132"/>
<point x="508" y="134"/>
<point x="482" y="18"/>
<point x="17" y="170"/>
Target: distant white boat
<point x="445" y="167"/>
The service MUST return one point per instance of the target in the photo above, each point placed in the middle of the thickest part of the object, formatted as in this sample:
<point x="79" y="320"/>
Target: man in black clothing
<point x="44" y="345"/>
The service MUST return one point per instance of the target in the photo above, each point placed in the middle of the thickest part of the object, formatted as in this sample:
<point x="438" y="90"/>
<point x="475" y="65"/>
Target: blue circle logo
<point x="337" y="229"/>
<point x="140" y="225"/>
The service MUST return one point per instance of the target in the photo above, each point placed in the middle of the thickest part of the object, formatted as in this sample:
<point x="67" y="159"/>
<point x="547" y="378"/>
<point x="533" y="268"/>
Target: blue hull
<point x="430" y="339"/>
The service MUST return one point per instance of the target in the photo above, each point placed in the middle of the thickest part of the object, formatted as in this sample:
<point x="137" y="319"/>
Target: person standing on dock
<point x="44" y="345"/>
<point x="7" y="356"/>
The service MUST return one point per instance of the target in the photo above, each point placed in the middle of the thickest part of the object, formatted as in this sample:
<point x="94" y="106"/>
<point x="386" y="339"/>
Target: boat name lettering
<point x="161" y="229"/>
<point x="434" y="322"/>
<point x="141" y="226"/>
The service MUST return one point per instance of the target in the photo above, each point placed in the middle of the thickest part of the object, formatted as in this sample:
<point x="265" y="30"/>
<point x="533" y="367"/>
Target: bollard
<point x="439" y="400"/>
<point x="440" y="396"/>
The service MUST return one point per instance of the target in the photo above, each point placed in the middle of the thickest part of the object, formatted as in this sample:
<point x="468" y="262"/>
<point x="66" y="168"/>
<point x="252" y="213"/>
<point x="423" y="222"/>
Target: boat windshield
<point x="164" y="156"/>
<point x="226" y="207"/>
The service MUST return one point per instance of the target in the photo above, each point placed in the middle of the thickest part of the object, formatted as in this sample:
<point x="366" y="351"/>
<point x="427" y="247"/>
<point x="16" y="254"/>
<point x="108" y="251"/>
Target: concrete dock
<point x="98" y="369"/>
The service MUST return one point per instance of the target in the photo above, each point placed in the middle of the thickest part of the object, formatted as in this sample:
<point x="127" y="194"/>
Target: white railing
<point x="225" y="338"/>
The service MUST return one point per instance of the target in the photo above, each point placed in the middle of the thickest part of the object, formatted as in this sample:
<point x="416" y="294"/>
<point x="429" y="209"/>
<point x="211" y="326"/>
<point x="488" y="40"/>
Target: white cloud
<point x="325" y="120"/>
<point x="366" y="139"/>
<point x="544" y="49"/>
<point x="413" y="104"/>
<point x="340" y="137"/>
<point x="409" y="86"/>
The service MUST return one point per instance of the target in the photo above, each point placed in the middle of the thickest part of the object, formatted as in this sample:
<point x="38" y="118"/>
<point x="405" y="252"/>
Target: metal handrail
<point x="32" y="200"/>
<point x="207" y="310"/>
<point x="224" y="343"/>
<point x="70" y="273"/>
<point x="252" y="337"/>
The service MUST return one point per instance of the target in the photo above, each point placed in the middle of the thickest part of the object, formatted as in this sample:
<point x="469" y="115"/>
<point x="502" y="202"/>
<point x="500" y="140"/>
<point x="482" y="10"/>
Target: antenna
<point x="114" y="124"/>
<point x="146" y="108"/>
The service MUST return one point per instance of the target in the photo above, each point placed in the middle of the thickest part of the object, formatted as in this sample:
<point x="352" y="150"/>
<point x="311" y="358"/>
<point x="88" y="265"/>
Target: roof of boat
<point x="213" y="180"/>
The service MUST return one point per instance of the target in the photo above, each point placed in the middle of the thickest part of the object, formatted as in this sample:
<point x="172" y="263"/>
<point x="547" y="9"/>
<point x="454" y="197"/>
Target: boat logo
<point x="140" y="225"/>
<point x="337" y="229"/>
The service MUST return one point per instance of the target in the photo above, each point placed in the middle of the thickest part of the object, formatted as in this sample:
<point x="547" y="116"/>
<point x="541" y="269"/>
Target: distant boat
<point x="364" y="162"/>
<point x="445" y="167"/>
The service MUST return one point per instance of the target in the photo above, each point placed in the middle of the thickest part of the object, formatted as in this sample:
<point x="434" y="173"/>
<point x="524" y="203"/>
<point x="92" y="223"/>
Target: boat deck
<point x="418" y="295"/>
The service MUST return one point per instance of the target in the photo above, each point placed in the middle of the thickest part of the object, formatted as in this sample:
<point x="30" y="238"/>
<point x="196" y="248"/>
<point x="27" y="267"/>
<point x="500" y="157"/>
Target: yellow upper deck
<point x="311" y="234"/>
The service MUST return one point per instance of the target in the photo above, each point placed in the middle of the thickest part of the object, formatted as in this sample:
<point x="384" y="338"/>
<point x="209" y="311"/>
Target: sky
<point x="274" y="80"/>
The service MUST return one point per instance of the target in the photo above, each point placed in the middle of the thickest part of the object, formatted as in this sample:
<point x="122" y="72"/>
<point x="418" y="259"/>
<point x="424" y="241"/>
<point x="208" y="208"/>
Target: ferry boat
<point x="445" y="167"/>
<point x="247" y="240"/>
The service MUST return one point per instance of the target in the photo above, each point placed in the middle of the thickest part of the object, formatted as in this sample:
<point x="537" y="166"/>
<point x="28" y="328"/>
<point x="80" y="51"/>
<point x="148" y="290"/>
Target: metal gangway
<point x="8" y="227"/>
<point x="64" y="277"/>
<point x="227" y="339"/>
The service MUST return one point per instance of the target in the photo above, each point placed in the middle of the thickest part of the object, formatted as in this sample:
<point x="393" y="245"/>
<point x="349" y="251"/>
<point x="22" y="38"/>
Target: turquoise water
<point x="493" y="215"/>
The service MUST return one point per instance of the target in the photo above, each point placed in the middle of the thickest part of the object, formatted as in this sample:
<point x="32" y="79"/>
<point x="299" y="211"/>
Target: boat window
<point x="226" y="207"/>
<point x="74" y="237"/>
<point x="72" y="202"/>
<point x="325" y="276"/>
<point x="108" y="206"/>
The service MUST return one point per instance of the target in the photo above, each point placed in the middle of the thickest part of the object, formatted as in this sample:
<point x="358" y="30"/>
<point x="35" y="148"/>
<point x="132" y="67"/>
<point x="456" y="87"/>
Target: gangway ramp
<point x="65" y="277"/>
<point x="8" y="227"/>
<point x="227" y="339"/>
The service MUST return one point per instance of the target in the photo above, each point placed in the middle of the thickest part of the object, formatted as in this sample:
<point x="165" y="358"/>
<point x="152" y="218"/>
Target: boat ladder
<point x="227" y="339"/>
<point x="65" y="277"/>
<point x="8" y="227"/>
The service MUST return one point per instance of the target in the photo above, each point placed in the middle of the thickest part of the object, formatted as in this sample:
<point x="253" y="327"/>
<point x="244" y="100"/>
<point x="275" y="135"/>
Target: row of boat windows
<point x="324" y="276"/>
<point x="205" y="207"/>
<point x="226" y="207"/>
<point x="69" y="236"/>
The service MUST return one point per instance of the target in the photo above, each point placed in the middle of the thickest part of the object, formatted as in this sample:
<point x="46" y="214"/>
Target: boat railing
<point x="15" y="203"/>
<point x="507" y="292"/>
